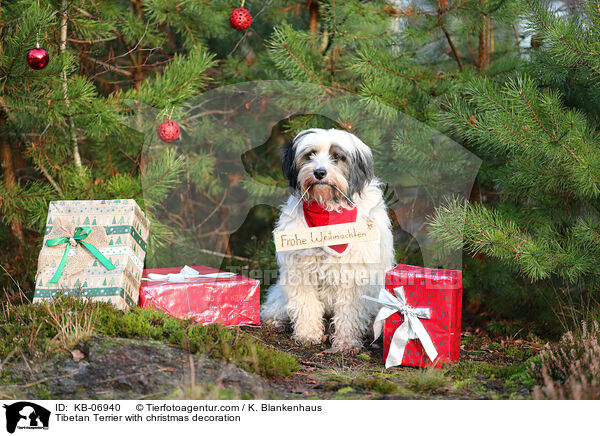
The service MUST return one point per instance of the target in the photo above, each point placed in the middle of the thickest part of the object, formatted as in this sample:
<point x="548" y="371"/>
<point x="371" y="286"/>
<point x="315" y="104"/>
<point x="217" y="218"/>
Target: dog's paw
<point x="276" y="324"/>
<point x="347" y="346"/>
<point x="308" y="340"/>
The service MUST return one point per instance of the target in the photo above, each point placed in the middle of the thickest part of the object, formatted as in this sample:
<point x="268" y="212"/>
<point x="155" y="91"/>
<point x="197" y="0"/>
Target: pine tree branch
<point x="8" y="72"/>
<point x="328" y="91"/>
<point x="535" y="117"/>
<point x="560" y="39"/>
<point x="138" y="74"/>
<point x="217" y="207"/>
<point x="41" y="165"/>
<point x="451" y="44"/>
<point x="412" y="79"/>
<point x="552" y="138"/>
<point x="517" y="39"/>
<point x="154" y="182"/>
<point x="49" y="177"/>
<point x="63" y="47"/>
<point x="509" y="113"/>
<point x="91" y="41"/>
<point x="109" y="67"/>
<point x="395" y="100"/>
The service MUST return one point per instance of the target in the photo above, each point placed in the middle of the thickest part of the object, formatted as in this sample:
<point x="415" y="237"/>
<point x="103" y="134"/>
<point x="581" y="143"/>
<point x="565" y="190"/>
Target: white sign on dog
<point x="313" y="237"/>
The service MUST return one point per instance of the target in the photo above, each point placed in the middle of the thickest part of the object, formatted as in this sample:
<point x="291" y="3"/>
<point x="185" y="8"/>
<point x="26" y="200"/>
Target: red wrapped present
<point x="205" y="294"/>
<point x="420" y="317"/>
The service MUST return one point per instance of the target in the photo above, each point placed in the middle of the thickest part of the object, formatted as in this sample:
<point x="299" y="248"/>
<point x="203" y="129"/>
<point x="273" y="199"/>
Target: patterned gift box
<point x="437" y="291"/>
<point x="118" y="229"/>
<point x="206" y="295"/>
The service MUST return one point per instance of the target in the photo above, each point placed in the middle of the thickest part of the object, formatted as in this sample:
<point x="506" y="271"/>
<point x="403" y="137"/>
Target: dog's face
<point x="327" y="166"/>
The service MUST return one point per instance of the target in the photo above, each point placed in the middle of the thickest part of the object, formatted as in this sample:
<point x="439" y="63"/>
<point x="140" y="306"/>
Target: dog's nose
<point x="320" y="173"/>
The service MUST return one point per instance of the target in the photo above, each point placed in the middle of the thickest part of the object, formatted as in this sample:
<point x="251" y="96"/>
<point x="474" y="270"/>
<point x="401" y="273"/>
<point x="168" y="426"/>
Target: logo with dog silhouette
<point x="26" y="415"/>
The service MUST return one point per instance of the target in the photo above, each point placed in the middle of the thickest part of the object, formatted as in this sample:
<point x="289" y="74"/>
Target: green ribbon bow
<point x="80" y="234"/>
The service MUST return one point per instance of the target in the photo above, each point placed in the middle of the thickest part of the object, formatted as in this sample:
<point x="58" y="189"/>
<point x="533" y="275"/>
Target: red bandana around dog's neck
<point x="316" y="215"/>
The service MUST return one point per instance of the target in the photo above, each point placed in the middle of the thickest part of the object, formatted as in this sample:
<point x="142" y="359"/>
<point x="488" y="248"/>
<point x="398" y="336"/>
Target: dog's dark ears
<point x="288" y="164"/>
<point x="361" y="172"/>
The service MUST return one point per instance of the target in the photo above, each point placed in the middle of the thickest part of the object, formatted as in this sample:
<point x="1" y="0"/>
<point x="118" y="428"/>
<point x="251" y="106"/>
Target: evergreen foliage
<point x="514" y="81"/>
<point x="540" y="147"/>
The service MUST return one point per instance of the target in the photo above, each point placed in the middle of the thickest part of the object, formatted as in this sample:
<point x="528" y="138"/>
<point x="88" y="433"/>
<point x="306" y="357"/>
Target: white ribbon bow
<point x="186" y="273"/>
<point x="411" y="328"/>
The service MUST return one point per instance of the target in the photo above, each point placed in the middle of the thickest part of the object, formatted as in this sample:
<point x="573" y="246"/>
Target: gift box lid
<point x="431" y="278"/>
<point x="201" y="269"/>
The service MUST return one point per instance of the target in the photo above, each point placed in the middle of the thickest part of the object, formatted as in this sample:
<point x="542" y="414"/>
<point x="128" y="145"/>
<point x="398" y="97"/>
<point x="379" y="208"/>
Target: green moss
<point x="472" y="369"/>
<point x="345" y="390"/>
<point x="428" y="381"/>
<point x="42" y="393"/>
<point x="229" y="344"/>
<point x="379" y="385"/>
<point x="361" y="381"/>
<point x="7" y="377"/>
<point x="25" y="329"/>
<point x="334" y="379"/>
<point x="460" y="384"/>
<point x="494" y="346"/>
<point x="465" y="340"/>
<point x="364" y="357"/>
<point x="515" y="377"/>
<point x="387" y="375"/>
<point x="515" y="352"/>
<point x="531" y="352"/>
<point x="509" y="351"/>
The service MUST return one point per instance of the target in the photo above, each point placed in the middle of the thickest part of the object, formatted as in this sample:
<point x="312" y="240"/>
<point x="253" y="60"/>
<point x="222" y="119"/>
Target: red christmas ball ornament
<point x="240" y="19"/>
<point x="168" y="131"/>
<point x="37" y="58"/>
<point x="346" y="125"/>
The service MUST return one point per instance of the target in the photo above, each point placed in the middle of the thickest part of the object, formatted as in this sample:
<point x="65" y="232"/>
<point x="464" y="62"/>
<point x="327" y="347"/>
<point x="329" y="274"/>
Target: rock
<point x="120" y="368"/>
<point x="225" y="375"/>
<point x="116" y="368"/>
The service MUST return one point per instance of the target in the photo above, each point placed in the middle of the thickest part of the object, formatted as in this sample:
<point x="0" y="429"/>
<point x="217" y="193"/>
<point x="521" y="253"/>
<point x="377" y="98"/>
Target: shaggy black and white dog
<point x="332" y="181"/>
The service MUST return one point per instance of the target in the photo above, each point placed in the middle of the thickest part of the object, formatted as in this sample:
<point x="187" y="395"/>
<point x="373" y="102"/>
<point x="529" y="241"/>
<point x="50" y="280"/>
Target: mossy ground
<point x="27" y="330"/>
<point x="489" y="368"/>
<point x="495" y="368"/>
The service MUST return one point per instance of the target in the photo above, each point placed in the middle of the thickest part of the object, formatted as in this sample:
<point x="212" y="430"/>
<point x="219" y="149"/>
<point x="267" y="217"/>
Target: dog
<point x="331" y="179"/>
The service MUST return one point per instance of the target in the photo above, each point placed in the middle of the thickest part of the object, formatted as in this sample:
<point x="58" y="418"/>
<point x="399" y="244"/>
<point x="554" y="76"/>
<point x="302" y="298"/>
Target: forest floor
<point x="488" y="369"/>
<point x="143" y="354"/>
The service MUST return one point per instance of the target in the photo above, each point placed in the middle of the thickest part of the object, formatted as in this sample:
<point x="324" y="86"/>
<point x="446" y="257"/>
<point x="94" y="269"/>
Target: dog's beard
<point x="330" y="192"/>
<point x="322" y="193"/>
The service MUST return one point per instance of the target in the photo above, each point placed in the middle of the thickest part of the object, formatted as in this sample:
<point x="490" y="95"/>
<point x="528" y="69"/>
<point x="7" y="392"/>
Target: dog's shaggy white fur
<point x="314" y="283"/>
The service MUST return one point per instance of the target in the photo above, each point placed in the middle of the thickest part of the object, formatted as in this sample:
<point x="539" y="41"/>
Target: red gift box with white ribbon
<point x="420" y="316"/>
<point x="202" y="293"/>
